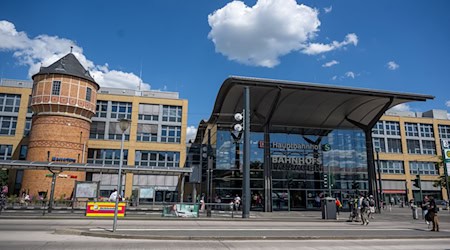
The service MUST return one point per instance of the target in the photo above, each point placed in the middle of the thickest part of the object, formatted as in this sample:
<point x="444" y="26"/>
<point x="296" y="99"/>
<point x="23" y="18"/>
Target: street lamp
<point x="123" y="124"/>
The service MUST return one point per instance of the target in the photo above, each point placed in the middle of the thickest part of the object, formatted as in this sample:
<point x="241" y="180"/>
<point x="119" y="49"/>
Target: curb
<point x="238" y="238"/>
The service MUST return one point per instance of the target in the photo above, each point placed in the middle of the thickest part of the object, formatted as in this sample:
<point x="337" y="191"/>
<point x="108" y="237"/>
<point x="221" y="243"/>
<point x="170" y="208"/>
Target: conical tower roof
<point x="67" y="65"/>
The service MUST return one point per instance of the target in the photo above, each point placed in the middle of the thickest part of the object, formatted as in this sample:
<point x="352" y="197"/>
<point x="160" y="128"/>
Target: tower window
<point x="88" y="94"/>
<point x="56" y="87"/>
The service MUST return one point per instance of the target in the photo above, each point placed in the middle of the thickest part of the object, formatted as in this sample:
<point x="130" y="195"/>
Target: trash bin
<point x="414" y="212"/>
<point x="329" y="208"/>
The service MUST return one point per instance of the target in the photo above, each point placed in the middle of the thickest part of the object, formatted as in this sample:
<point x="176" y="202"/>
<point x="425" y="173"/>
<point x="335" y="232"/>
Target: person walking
<point x="338" y="207"/>
<point x="371" y="207"/>
<point x="365" y="207"/>
<point x="433" y="210"/>
<point x="425" y="206"/>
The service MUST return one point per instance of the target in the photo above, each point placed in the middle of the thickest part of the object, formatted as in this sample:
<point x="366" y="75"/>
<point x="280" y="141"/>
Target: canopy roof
<point x="297" y="107"/>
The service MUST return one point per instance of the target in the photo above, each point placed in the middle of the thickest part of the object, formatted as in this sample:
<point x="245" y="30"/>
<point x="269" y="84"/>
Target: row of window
<point x="397" y="167"/>
<point x="145" y="132"/>
<point x="393" y="145"/>
<point x="147" y="112"/>
<point x="422" y="130"/>
<point x="9" y="103"/>
<point x="142" y="158"/>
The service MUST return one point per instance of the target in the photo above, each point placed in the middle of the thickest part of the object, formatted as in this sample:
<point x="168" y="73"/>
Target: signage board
<point x="104" y="209"/>
<point x="447" y="155"/>
<point x="146" y="193"/>
<point x="86" y="189"/>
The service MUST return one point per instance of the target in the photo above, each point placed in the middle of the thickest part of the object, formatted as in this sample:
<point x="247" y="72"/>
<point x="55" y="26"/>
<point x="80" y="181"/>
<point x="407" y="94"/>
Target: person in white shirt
<point x="113" y="195"/>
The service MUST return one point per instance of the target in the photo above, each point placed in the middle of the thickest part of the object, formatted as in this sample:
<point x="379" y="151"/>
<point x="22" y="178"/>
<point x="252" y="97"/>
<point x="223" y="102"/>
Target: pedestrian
<point x="113" y="196"/>
<point x="237" y="202"/>
<point x="338" y="206"/>
<point x="425" y="206"/>
<point x="433" y="210"/>
<point x="391" y="203"/>
<point x="371" y="207"/>
<point x="365" y="207"/>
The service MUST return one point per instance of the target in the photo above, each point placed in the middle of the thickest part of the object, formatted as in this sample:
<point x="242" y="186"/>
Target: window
<point x="88" y="94"/>
<point x="147" y="132"/>
<point x="6" y="152"/>
<point x="107" y="156"/>
<point x="392" y="128"/>
<point x="426" y="130"/>
<point x="115" y="133"/>
<point x="378" y="129"/>
<point x="428" y="147"/>
<point x="171" y="113"/>
<point x="148" y="112"/>
<point x="23" y="152"/>
<point x="444" y="131"/>
<point x="121" y="110"/>
<point x="379" y="145"/>
<point x="394" y="145"/>
<point x="8" y="125"/>
<point x="411" y="129"/>
<point x="27" y="129"/>
<point x="9" y="103"/>
<point x="392" y="167"/>
<point x="56" y="87"/>
<point x="157" y="159"/>
<point x="171" y="134"/>
<point x="101" y="109"/>
<point x="425" y="168"/>
<point x="97" y="130"/>
<point x="413" y="146"/>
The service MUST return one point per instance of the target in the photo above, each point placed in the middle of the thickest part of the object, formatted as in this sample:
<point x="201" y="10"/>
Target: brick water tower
<point x="63" y="101"/>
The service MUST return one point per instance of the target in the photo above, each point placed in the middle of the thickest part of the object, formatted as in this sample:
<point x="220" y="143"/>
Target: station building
<point x="64" y="117"/>
<point x="307" y="140"/>
<point x="311" y="140"/>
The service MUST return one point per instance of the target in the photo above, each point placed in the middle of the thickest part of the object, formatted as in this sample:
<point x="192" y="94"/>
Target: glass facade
<point x="303" y="167"/>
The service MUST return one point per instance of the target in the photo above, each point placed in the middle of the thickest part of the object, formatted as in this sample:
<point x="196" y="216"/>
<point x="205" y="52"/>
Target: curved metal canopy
<point x="296" y="107"/>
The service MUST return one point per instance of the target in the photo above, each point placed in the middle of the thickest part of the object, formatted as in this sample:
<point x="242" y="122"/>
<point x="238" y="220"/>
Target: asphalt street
<point x="279" y="230"/>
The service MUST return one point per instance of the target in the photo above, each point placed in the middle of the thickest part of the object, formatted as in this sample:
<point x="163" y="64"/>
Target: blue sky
<point x="191" y="47"/>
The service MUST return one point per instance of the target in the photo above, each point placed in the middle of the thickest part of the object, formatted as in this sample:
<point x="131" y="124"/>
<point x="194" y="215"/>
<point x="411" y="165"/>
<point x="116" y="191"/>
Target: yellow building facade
<point x="408" y="145"/>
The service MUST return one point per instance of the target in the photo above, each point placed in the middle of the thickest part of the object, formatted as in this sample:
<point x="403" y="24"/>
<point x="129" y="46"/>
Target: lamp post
<point x="123" y="124"/>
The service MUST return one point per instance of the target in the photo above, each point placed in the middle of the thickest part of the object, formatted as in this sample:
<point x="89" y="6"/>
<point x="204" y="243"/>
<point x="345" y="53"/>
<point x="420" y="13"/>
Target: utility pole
<point x="380" y="194"/>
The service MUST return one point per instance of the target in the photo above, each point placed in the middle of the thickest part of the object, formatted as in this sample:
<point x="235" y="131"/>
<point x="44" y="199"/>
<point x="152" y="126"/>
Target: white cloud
<point x="259" y="35"/>
<point x="328" y="9"/>
<point x="392" y="65"/>
<point x="334" y="78"/>
<point x="191" y="132"/>
<point x="401" y="107"/>
<point x="447" y="103"/>
<point x="45" y="50"/>
<point x="350" y="74"/>
<point x="317" y="48"/>
<point x="330" y="63"/>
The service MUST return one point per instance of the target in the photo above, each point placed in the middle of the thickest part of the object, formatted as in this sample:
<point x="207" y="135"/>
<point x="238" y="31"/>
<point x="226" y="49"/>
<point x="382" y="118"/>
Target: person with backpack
<point x="365" y="207"/>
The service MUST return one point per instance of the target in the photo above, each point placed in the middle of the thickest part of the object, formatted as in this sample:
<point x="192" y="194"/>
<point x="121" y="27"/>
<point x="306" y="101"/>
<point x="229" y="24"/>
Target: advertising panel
<point x="104" y="209"/>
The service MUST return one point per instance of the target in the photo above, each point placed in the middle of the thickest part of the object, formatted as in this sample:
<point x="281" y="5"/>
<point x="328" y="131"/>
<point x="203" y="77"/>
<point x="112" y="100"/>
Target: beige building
<point x="409" y="144"/>
<point x="61" y="117"/>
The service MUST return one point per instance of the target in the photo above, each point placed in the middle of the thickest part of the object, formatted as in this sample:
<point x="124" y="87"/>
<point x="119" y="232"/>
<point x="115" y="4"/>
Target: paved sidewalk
<point x="296" y="225"/>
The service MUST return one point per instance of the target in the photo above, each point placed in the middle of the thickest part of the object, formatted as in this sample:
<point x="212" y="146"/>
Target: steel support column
<point x="267" y="171"/>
